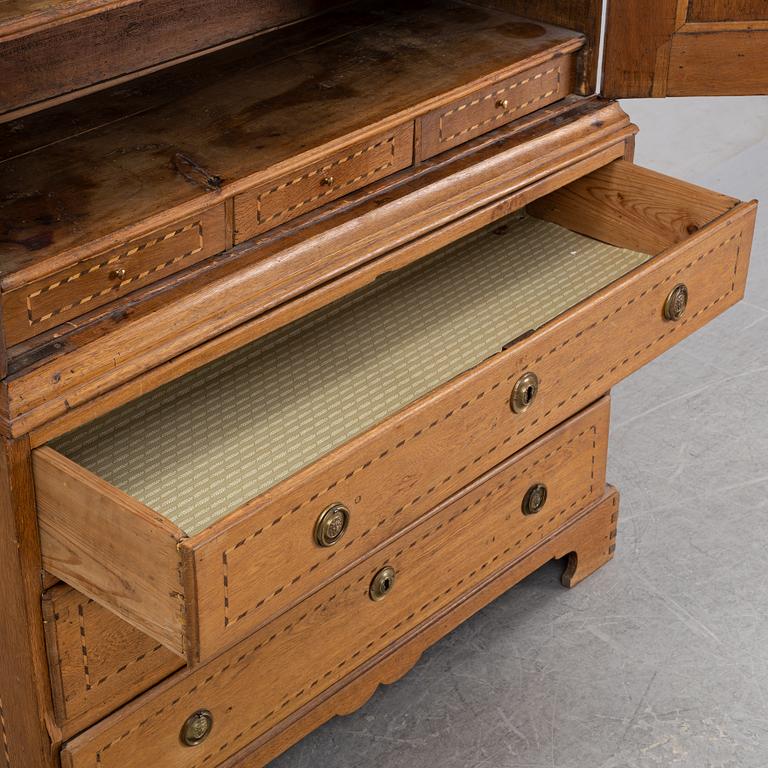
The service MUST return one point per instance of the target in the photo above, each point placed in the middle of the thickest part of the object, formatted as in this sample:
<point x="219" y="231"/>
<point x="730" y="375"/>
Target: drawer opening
<point x="201" y="447"/>
<point x="192" y="511"/>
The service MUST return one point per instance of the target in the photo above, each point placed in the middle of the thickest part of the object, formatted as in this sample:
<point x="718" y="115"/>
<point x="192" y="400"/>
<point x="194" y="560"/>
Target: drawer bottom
<point x="588" y="541"/>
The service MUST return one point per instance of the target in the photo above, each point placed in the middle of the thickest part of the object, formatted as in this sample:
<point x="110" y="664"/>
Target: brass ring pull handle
<point x="502" y="103"/>
<point x="197" y="728"/>
<point x="535" y="498"/>
<point x="332" y="525"/>
<point x="383" y="583"/>
<point x="524" y="392"/>
<point x="117" y="274"/>
<point x="328" y="181"/>
<point x="676" y="303"/>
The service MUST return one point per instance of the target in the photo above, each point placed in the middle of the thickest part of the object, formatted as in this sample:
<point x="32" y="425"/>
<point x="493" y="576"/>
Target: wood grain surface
<point x="283" y="666"/>
<point x="110" y="547"/>
<point x="179" y="141"/>
<point x="685" y="48"/>
<point x="217" y="307"/>
<point x="54" y="49"/>
<point x="98" y="662"/>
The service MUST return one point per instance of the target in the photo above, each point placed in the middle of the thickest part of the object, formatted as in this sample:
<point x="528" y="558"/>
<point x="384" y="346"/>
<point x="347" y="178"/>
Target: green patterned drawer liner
<point x="201" y="446"/>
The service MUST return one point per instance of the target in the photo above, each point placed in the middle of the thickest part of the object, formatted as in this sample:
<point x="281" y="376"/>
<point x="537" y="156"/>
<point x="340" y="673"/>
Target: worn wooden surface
<point x="307" y="188"/>
<point x="584" y="16"/>
<point x="179" y="141"/>
<point x="493" y="106"/>
<point x="25" y="697"/>
<point x="727" y="10"/>
<point x="588" y="542"/>
<point x="98" y="662"/>
<point x="54" y="49"/>
<point x="308" y="649"/>
<point x="685" y="48"/>
<point x="110" y="547"/>
<point x="51" y="301"/>
<point x="62" y="377"/>
<point x="621" y="204"/>
<point x="269" y="558"/>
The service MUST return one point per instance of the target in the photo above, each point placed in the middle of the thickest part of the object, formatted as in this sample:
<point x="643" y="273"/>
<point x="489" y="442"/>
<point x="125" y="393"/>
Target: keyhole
<point x="383" y="583"/>
<point x="528" y="396"/>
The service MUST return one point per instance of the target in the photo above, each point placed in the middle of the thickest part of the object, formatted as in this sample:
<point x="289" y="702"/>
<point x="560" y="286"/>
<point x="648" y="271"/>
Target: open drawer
<point x="207" y="507"/>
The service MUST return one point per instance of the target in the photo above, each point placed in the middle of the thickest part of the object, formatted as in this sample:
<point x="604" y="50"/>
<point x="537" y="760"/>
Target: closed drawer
<point x="386" y="403"/>
<point x="293" y="194"/>
<point x="89" y="284"/>
<point x="308" y="650"/>
<point x="493" y="106"/>
<point x="98" y="662"/>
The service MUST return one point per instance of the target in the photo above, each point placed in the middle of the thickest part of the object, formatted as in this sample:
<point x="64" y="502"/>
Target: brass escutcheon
<point x="117" y="274"/>
<point x="197" y="728"/>
<point x="677" y="301"/>
<point x="383" y="583"/>
<point x="331" y="525"/>
<point x="524" y="392"/>
<point x="535" y="498"/>
<point x="502" y="103"/>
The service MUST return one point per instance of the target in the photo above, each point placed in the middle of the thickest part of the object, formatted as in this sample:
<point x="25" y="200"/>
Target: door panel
<point x="727" y="10"/>
<point x="686" y="48"/>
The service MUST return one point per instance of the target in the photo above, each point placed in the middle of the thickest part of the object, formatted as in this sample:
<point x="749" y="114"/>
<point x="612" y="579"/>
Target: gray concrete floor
<point x="661" y="658"/>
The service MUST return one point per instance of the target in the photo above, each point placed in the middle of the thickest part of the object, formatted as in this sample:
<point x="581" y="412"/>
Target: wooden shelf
<point x="86" y="175"/>
<point x="50" y="50"/>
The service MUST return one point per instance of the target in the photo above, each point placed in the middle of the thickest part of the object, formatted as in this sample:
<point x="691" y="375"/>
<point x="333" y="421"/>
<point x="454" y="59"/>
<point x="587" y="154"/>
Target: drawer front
<point x="71" y="292"/>
<point x="98" y="662"/>
<point x="494" y="106"/>
<point x="294" y="194"/>
<point x="314" y="645"/>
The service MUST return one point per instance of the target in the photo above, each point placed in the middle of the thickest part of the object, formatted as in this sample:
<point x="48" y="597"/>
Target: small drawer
<point x="91" y="283"/>
<point x="98" y="662"/>
<point x="294" y="194"/>
<point x="284" y="666"/>
<point x="496" y="105"/>
<point x="206" y="508"/>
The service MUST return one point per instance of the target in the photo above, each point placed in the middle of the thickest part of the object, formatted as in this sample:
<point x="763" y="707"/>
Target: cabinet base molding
<point x="588" y="542"/>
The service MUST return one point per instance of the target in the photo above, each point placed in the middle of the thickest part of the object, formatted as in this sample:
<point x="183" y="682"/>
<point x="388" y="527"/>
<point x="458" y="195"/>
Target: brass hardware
<point x="677" y="301"/>
<point x="502" y="103"/>
<point x="197" y="728"/>
<point x="524" y="392"/>
<point x="382" y="584"/>
<point x="117" y="274"/>
<point x="331" y="525"/>
<point x="535" y="498"/>
<point x="328" y="181"/>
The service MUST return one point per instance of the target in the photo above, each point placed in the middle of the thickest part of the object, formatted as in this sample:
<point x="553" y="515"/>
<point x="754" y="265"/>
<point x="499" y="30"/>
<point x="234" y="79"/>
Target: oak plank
<point x="588" y="543"/>
<point x="181" y="140"/>
<point x="98" y="661"/>
<point x="621" y="204"/>
<point x="56" y="49"/>
<point x="110" y="547"/>
<point x="718" y="62"/>
<point x="26" y="717"/>
<point x="584" y="16"/>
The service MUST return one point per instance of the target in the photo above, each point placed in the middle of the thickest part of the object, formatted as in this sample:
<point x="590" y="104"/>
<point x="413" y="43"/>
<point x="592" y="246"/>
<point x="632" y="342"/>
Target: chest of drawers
<point x="309" y="325"/>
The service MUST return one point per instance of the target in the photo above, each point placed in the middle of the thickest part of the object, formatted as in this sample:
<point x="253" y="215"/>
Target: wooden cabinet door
<point x="686" y="48"/>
